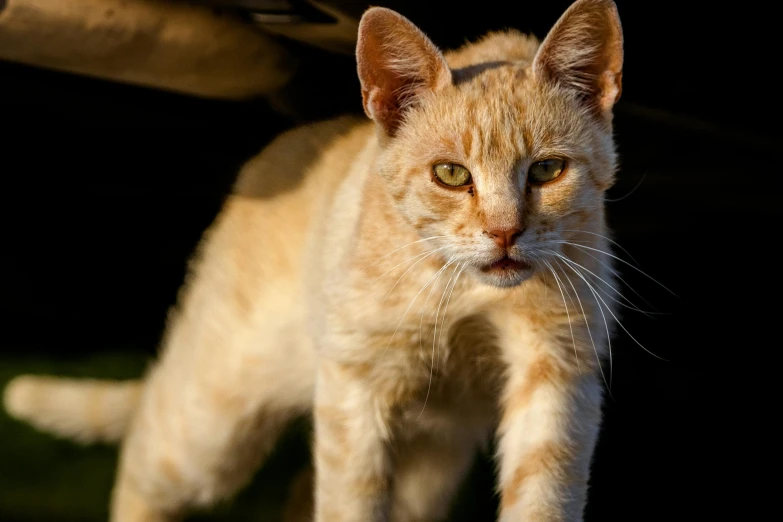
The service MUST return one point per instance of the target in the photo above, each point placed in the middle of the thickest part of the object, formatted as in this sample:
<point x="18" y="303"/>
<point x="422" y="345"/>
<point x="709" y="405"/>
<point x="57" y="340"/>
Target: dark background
<point x="105" y="190"/>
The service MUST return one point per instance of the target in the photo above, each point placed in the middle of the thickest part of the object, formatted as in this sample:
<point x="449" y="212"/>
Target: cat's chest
<point x="455" y="384"/>
<point x="442" y="368"/>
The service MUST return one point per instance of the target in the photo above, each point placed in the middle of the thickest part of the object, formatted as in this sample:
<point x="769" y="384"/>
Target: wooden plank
<point x="172" y="46"/>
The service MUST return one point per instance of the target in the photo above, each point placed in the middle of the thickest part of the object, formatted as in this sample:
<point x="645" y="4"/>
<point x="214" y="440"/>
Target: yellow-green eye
<point x="545" y="170"/>
<point x="452" y="174"/>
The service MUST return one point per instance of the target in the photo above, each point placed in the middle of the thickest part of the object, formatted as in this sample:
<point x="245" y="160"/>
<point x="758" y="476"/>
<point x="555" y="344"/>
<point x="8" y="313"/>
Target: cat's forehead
<point x="496" y="113"/>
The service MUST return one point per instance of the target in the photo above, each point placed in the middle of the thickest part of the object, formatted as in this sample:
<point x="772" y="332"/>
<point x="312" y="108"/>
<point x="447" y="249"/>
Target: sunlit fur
<point x="343" y="280"/>
<point x="497" y="124"/>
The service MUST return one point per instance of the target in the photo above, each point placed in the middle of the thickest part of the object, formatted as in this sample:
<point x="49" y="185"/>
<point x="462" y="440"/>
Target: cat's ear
<point x="584" y="52"/>
<point x="397" y="66"/>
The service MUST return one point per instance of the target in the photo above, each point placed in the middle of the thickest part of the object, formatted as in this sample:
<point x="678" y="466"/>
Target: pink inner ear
<point x="396" y="63"/>
<point x="378" y="106"/>
<point x="612" y="88"/>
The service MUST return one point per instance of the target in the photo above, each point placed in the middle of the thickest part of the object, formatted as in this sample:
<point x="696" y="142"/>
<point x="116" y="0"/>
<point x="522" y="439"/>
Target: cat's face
<point x="498" y="170"/>
<point x="499" y="152"/>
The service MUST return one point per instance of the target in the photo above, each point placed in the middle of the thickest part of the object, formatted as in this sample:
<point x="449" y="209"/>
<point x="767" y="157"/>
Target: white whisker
<point x="461" y="269"/>
<point x="424" y="306"/>
<point x="431" y="279"/>
<point x="400" y="264"/>
<point x="612" y="241"/>
<point x="437" y="313"/>
<point x="589" y="332"/>
<point x="606" y="325"/>
<point x="432" y="360"/>
<point x="620" y="278"/>
<point x="645" y="274"/>
<point x="608" y="309"/>
<point x="639" y="184"/>
<point x="630" y="304"/>
<point x="408" y="270"/>
<point x="568" y="314"/>
<point x="409" y="244"/>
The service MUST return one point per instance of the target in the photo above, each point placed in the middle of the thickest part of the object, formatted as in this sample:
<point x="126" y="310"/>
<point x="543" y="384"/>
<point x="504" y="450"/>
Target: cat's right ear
<point x="397" y="66"/>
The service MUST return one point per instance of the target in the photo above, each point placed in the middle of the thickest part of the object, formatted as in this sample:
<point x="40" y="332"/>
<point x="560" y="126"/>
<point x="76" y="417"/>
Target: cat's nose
<point x="504" y="238"/>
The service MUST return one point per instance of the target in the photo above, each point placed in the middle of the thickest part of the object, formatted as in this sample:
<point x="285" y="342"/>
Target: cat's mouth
<point x="506" y="264"/>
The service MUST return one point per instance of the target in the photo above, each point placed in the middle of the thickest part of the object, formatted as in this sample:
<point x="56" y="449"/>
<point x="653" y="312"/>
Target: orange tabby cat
<point x="418" y="284"/>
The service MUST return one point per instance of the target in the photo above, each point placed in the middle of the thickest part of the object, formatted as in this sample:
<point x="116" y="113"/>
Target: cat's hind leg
<point x="206" y="420"/>
<point x="237" y="366"/>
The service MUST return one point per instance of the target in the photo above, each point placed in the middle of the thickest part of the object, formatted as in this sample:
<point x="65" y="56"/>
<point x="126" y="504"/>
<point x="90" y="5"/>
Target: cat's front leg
<point x="551" y="417"/>
<point x="351" y="454"/>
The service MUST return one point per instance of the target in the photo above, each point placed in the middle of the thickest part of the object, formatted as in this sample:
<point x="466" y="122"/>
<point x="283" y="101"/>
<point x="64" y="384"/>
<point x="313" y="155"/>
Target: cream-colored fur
<point x="342" y="279"/>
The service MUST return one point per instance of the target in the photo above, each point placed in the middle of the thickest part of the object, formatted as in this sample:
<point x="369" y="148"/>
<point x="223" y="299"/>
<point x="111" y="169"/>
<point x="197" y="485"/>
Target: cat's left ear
<point x="397" y="66"/>
<point x="584" y="53"/>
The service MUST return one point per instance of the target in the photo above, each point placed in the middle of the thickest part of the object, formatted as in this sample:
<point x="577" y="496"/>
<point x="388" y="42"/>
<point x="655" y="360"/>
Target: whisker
<point x="432" y="361"/>
<point x="589" y="332"/>
<point x="620" y="278"/>
<point x="608" y="309"/>
<point x="409" y="244"/>
<point x="645" y="274"/>
<point x="568" y="314"/>
<point x="639" y="184"/>
<point x="431" y="279"/>
<point x="615" y="243"/>
<point x="408" y="270"/>
<point x="400" y="264"/>
<point x="440" y="304"/>
<point x="424" y="307"/>
<point x="459" y="270"/>
<point x="625" y="305"/>
<point x="630" y="304"/>
<point x="606" y="325"/>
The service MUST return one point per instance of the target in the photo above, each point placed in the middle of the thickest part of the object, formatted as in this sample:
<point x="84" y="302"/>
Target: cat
<point x="418" y="283"/>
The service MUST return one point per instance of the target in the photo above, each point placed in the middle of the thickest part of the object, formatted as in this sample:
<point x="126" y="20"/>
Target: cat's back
<point x="303" y="157"/>
<point x="257" y="244"/>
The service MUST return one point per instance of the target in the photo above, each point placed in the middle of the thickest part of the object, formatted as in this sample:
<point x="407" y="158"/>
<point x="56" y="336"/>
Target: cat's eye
<point x="452" y="174"/>
<point x="545" y="170"/>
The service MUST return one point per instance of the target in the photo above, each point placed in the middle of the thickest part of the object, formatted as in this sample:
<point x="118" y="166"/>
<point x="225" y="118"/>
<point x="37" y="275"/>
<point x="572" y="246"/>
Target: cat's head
<point x="500" y="150"/>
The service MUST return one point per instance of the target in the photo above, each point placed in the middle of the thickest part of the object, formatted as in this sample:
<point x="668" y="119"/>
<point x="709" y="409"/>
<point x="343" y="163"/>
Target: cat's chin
<point x="505" y="273"/>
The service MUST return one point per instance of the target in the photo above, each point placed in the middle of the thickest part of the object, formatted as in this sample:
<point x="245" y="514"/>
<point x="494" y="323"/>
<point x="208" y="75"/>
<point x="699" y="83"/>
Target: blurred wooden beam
<point x="316" y="23"/>
<point x="166" y="45"/>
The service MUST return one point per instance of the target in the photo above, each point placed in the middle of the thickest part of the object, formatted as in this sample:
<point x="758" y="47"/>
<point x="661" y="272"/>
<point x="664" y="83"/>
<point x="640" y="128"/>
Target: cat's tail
<point x="83" y="410"/>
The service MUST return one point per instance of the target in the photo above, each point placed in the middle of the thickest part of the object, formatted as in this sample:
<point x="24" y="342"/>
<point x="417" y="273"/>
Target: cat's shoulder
<point x="305" y="141"/>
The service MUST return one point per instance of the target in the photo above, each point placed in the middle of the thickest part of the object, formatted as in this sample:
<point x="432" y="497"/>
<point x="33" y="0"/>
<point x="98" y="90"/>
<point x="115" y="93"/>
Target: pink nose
<point x="504" y="238"/>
